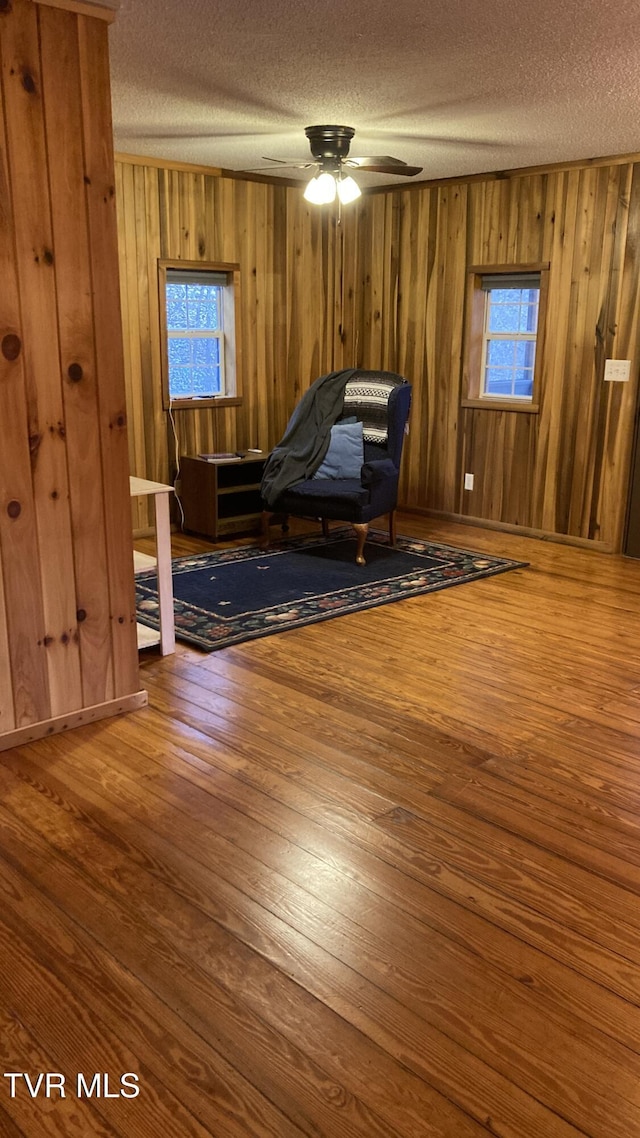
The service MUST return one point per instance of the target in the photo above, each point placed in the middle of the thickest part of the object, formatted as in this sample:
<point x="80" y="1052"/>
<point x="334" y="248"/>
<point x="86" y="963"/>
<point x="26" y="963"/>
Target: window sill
<point x="197" y="404"/>
<point x="502" y="405"/>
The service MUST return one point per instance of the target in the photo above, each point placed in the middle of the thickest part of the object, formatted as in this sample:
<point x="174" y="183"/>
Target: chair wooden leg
<point x="392" y="527"/>
<point x="362" y="529"/>
<point x="325" y="527"/>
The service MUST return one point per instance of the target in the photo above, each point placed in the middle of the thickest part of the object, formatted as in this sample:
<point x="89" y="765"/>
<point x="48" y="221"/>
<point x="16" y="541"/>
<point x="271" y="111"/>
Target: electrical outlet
<point x="617" y="370"/>
<point x="468" y="481"/>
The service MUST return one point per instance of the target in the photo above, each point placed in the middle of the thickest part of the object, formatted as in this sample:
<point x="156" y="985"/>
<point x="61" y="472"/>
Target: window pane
<point x="176" y="306"/>
<point x="528" y="317"/>
<point x="203" y="307"/>
<point x="179" y="381"/>
<point x="179" y="351"/>
<point x="195" y="308"/>
<point x="523" y="385"/>
<point x="206" y="380"/>
<point x="498" y="381"/>
<point x="504" y="295"/>
<point x="501" y="352"/>
<point x="525" y="353"/>
<point x="206" y="352"/>
<point x="176" y="291"/>
<point x="503" y="317"/>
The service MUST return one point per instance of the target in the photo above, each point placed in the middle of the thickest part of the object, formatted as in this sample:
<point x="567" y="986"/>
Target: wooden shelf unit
<point x="220" y="497"/>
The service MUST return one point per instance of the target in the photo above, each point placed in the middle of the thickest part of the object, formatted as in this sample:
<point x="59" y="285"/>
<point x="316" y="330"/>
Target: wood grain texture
<point x="23" y="67"/>
<point x="100" y="205"/>
<point x="63" y="531"/>
<point x="290" y="281"/>
<point x="301" y="896"/>
<point x="61" y="79"/>
<point x="24" y="669"/>
<point x="385" y="289"/>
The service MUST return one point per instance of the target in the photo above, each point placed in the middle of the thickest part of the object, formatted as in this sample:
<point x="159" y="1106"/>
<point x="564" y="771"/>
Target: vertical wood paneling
<point x="623" y="335"/>
<point x="65" y="539"/>
<point x="100" y="201"/>
<point x="35" y="258"/>
<point x="385" y="288"/>
<point x="24" y="668"/>
<point x="287" y="255"/>
<point x="59" y="43"/>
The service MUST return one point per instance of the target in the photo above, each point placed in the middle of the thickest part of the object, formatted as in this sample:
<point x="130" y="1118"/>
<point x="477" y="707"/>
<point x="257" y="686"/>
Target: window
<point x="199" y="330"/>
<point x="504" y="336"/>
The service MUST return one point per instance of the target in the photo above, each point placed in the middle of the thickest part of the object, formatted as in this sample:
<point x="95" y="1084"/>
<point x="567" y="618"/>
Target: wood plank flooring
<point x="374" y="878"/>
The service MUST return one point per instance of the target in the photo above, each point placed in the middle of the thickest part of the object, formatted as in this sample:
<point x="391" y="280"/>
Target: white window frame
<point x="491" y="282"/>
<point x="479" y="277"/>
<point x="227" y="276"/>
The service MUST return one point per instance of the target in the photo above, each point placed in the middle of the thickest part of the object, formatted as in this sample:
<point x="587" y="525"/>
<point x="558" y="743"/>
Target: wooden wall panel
<point x="61" y="89"/>
<point x="564" y="470"/>
<point x="36" y="269"/>
<point x="19" y="556"/>
<point x="385" y="288"/>
<point x="107" y="330"/>
<point x="67" y="630"/>
<point x="290" y="262"/>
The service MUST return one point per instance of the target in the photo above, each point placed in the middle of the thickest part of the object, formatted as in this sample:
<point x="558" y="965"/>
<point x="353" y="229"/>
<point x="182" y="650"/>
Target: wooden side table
<point x="160" y="493"/>
<point x="222" y="495"/>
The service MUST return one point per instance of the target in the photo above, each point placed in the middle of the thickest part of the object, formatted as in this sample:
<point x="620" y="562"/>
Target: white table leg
<point x="165" y="580"/>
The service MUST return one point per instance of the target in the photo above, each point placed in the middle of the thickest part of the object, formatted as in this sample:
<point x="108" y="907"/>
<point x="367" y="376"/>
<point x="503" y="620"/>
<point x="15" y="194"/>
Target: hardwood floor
<point x="376" y="877"/>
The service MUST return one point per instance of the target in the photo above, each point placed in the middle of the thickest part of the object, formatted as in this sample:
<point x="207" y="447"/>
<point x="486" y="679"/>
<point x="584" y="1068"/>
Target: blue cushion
<point x="345" y="455"/>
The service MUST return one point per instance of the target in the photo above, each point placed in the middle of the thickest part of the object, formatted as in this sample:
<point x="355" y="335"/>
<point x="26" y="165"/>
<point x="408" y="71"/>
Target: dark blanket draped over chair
<point x="378" y="400"/>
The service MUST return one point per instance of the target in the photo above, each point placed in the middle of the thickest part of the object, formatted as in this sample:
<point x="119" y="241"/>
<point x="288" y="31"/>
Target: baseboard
<point x="45" y="727"/>
<point x="509" y="527"/>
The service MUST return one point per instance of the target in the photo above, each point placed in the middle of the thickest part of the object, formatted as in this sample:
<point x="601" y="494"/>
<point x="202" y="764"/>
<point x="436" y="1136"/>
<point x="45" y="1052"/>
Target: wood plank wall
<point x="287" y="254"/>
<point x="564" y="471"/>
<point x="67" y="626"/>
<point x="386" y="289"/>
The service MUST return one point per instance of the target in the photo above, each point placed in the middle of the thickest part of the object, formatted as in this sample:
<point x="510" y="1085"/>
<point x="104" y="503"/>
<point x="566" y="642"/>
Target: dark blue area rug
<point x="239" y="594"/>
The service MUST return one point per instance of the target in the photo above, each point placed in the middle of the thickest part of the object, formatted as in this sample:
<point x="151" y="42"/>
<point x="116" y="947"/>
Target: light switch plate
<point x="617" y="370"/>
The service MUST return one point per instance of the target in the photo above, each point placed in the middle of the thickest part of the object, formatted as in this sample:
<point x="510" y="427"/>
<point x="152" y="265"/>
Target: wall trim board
<point x="506" y="175"/>
<point x="428" y="183"/>
<point x="167" y="164"/>
<point x="60" y="723"/>
<point x="106" y="11"/>
<point x="509" y="527"/>
<point x="210" y="171"/>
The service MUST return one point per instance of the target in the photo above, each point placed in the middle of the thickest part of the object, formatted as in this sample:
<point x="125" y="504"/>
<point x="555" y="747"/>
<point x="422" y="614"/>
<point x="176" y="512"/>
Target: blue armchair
<point x="380" y="402"/>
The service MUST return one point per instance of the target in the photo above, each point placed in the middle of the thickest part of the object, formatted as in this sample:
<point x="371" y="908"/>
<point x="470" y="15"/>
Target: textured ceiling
<point x="455" y="86"/>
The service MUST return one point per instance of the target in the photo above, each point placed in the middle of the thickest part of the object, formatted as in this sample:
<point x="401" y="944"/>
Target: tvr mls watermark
<point x="51" y="1084"/>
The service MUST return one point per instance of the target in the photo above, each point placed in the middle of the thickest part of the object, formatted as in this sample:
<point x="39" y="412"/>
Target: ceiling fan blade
<point x="279" y="164"/>
<point x="384" y="164"/>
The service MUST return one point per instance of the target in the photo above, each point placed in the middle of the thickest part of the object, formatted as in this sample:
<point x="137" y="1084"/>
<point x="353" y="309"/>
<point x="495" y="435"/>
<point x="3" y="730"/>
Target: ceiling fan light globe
<point x="348" y="190"/>
<point x="322" y="189"/>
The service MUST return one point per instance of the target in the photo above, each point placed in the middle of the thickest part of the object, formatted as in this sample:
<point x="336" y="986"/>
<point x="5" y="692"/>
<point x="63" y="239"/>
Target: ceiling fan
<point x="330" y="150"/>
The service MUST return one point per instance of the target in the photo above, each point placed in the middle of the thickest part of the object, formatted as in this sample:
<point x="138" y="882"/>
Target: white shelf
<point x="142" y="561"/>
<point x="147" y="637"/>
<point x="160" y="493"/>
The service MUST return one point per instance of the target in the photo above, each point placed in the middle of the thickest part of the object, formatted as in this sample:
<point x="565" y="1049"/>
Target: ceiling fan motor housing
<point x="329" y="144"/>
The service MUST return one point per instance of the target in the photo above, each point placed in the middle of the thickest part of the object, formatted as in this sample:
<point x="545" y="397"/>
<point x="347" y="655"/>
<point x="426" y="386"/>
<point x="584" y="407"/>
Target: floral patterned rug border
<point x="215" y="608"/>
